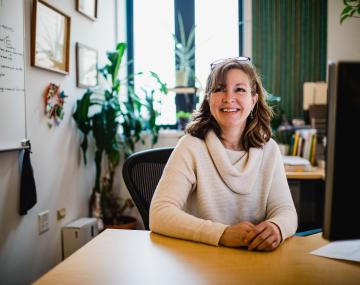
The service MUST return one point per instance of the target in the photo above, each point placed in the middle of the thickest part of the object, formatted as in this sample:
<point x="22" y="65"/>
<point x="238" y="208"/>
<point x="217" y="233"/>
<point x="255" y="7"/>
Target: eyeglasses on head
<point x="239" y="58"/>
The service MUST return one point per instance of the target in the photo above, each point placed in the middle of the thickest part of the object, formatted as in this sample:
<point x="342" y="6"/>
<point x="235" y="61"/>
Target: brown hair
<point x="257" y="130"/>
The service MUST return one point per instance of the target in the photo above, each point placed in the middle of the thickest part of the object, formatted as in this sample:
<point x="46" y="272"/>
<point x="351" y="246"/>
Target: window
<point x="154" y="49"/>
<point x="217" y="34"/>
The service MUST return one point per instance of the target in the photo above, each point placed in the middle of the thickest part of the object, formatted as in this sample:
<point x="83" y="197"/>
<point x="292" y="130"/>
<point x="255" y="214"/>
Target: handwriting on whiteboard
<point x="11" y="60"/>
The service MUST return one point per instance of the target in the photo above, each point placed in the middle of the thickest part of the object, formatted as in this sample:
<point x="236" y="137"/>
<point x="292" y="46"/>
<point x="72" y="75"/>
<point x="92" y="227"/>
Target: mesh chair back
<point x="142" y="172"/>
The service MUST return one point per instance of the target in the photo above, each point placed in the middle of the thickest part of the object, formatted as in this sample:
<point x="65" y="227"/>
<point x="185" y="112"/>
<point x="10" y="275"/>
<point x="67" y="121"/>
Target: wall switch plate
<point x="43" y="219"/>
<point x="61" y="213"/>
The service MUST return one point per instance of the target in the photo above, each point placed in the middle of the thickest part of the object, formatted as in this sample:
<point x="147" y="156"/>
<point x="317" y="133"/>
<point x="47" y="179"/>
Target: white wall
<point x="62" y="180"/>
<point x="343" y="40"/>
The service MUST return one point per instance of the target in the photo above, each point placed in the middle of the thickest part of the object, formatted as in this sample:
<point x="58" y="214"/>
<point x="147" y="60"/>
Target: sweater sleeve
<point x="167" y="215"/>
<point x="280" y="206"/>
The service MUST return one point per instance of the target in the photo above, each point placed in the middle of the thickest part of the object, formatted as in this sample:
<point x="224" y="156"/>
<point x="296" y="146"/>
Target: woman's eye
<point x="218" y="89"/>
<point x="239" y="89"/>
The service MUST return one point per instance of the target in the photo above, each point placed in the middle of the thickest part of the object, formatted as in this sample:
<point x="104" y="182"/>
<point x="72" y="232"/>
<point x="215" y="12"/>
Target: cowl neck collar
<point x="240" y="176"/>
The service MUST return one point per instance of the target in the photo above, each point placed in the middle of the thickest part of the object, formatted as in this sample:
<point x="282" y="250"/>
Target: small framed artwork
<point x="50" y="38"/>
<point x="86" y="66"/>
<point x="87" y="8"/>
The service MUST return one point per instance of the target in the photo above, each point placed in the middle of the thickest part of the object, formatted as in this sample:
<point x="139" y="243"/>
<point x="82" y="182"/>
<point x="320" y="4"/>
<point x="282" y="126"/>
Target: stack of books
<point x="296" y="164"/>
<point x="303" y="144"/>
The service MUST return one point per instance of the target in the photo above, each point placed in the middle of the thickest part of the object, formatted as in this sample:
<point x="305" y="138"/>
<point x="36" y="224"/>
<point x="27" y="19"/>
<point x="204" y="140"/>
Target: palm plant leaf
<point x="191" y="38"/>
<point x="182" y="30"/>
<point x="120" y="52"/>
<point x="163" y="87"/>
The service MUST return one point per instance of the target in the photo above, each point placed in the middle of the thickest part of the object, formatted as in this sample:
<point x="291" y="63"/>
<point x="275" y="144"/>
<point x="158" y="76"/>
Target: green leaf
<point x="346" y="10"/>
<point x="98" y="159"/>
<point x="182" y="30"/>
<point x="113" y="155"/>
<point x="163" y="87"/>
<point x="351" y="7"/>
<point x="120" y="52"/>
<point x="343" y="17"/>
<point x="84" y="145"/>
<point x="191" y="38"/>
<point x="81" y="112"/>
<point x="83" y="120"/>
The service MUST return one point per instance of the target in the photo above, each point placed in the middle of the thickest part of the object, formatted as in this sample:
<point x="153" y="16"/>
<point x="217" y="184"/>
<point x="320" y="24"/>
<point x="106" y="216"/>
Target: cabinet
<point x="77" y="234"/>
<point x="308" y="196"/>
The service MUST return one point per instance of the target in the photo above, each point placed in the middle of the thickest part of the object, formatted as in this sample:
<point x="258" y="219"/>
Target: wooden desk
<point x="140" y="257"/>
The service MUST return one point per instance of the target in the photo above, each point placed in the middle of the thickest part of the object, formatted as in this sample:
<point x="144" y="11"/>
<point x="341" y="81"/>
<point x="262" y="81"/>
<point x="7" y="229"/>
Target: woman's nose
<point x="229" y="96"/>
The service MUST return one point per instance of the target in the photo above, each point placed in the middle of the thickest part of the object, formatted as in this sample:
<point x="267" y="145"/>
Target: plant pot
<point x="123" y="222"/>
<point x="181" y="78"/>
<point x="182" y="122"/>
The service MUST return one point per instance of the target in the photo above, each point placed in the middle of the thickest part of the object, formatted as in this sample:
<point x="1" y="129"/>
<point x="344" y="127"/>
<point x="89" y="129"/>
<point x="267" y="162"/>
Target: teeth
<point x="229" y="110"/>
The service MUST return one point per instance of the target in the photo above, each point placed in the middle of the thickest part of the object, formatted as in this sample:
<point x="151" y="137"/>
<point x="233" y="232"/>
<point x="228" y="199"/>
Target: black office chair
<point x="142" y="172"/>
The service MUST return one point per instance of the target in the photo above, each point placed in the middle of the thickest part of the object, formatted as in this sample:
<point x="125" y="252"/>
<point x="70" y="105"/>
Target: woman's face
<point x="231" y="104"/>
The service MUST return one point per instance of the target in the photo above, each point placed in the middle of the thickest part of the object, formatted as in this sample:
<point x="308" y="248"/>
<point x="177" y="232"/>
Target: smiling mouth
<point x="229" y="110"/>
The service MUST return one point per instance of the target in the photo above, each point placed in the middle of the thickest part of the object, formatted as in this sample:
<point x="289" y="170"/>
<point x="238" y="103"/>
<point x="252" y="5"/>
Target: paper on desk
<point x="295" y="160"/>
<point x="347" y="250"/>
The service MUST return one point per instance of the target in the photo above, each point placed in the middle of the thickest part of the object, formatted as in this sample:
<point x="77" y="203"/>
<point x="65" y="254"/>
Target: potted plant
<point x="149" y="101"/>
<point x="185" y="54"/>
<point x="183" y="118"/>
<point x="116" y="125"/>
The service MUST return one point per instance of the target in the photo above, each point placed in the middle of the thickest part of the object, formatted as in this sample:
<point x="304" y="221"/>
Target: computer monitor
<point x="342" y="186"/>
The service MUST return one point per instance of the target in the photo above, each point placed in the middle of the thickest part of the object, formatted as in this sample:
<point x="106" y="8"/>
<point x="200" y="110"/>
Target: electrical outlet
<point x="43" y="219"/>
<point x="61" y="213"/>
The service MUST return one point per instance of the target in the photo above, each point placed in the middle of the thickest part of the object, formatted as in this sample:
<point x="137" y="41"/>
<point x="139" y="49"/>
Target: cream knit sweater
<point x="205" y="188"/>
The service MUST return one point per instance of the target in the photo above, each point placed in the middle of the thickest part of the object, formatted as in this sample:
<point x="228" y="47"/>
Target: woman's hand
<point x="264" y="236"/>
<point x="234" y="235"/>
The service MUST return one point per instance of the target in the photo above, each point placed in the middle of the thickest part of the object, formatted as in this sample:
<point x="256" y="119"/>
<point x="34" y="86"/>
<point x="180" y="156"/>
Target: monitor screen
<point x="342" y="194"/>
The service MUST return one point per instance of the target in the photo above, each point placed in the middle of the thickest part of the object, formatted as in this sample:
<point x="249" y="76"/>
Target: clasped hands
<point x="265" y="236"/>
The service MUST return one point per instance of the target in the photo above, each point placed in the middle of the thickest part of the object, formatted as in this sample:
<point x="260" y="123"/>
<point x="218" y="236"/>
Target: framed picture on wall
<point x="50" y="38"/>
<point x="86" y="66"/>
<point x="87" y="8"/>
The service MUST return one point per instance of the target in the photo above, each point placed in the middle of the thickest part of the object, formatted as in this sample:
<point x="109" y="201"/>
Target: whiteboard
<point x="12" y="74"/>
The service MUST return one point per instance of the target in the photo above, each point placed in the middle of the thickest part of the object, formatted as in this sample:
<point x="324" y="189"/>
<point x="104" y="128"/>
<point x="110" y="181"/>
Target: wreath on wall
<point x="54" y="104"/>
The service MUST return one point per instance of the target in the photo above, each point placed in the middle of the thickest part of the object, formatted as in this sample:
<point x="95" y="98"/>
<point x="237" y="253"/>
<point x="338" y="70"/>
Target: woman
<point x="225" y="181"/>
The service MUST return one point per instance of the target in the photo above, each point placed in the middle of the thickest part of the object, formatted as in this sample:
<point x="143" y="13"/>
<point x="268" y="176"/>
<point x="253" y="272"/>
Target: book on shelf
<point x="303" y="144"/>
